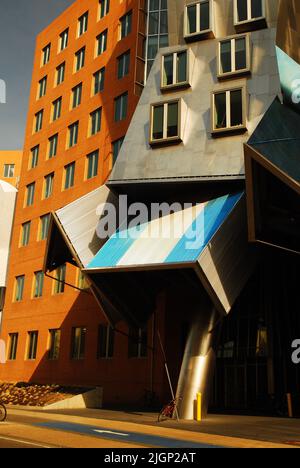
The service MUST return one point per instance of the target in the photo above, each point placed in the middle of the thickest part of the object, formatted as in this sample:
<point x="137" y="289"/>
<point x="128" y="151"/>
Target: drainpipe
<point x="198" y="363"/>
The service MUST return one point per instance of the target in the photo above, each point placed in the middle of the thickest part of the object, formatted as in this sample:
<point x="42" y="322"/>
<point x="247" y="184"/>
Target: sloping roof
<point x="277" y="140"/>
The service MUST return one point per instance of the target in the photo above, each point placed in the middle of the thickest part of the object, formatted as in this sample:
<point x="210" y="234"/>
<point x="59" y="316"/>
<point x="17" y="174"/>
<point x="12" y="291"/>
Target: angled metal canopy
<point x="208" y="243"/>
<point x="272" y="166"/>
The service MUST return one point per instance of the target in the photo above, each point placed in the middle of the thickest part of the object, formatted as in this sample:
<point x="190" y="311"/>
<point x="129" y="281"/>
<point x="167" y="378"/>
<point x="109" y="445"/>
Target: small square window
<point x="165" y="123"/>
<point x="198" y="20"/>
<point x="175" y="70"/>
<point x="249" y="15"/>
<point x="234" y="56"/>
<point x="9" y="171"/>
<point x="228" y="110"/>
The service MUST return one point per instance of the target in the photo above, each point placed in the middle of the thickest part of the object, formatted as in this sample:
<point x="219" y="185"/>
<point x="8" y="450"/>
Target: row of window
<point x="58" y="282"/>
<point x="8" y="171"/>
<point x="198" y="17"/>
<point x="68" y="180"/>
<point x="43" y="230"/>
<point x="125" y="26"/>
<point x="123" y="67"/>
<point x="120" y="113"/>
<point x="137" y="343"/>
<point x="228" y="106"/>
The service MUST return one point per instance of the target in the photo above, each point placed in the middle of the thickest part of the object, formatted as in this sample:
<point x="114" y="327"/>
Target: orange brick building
<point x="85" y="60"/>
<point x="10" y="166"/>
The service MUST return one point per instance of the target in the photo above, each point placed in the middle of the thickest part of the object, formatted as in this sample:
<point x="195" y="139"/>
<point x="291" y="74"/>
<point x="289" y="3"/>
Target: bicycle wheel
<point x="3" y="413"/>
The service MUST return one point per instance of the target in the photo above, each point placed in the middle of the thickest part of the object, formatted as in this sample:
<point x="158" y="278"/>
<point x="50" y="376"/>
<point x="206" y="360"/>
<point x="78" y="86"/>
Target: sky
<point x="20" y="22"/>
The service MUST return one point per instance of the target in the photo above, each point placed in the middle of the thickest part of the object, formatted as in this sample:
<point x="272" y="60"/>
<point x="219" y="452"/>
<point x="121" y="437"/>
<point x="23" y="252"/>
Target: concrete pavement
<point x="75" y="429"/>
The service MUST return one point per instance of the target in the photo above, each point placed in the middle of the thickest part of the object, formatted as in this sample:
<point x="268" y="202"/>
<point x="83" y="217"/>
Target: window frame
<point x="79" y="355"/>
<point x="99" y="73"/>
<point x="92" y="162"/>
<point x="109" y="343"/>
<point x="198" y="34"/>
<point x="44" y="221"/>
<point x="101" y="40"/>
<point x="105" y="10"/>
<point x="25" y="234"/>
<point x="30" y="189"/>
<point x="69" y="176"/>
<point x="58" y="285"/>
<point x="94" y="131"/>
<point x="175" y="84"/>
<point x="80" y="57"/>
<point x="38" y="284"/>
<point x="229" y="129"/>
<point x="83" y="24"/>
<point x="166" y="140"/>
<point x="19" y="293"/>
<point x="42" y="88"/>
<point x="32" y="345"/>
<point x="54" y="336"/>
<point x="124" y="97"/>
<point x="13" y="339"/>
<point x="56" y="109"/>
<point x="233" y="39"/>
<point x="76" y="96"/>
<point x="128" y="26"/>
<point x="63" y="40"/>
<point x="46" y="55"/>
<point x="60" y="75"/>
<point x="48" y="186"/>
<point x="251" y="21"/>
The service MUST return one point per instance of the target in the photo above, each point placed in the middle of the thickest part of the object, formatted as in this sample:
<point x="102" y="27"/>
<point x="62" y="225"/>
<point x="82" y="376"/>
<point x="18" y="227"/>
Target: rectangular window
<point x="19" y="288"/>
<point x="64" y="37"/>
<point x="13" y="346"/>
<point x="234" y="55"/>
<point x="25" y="234"/>
<point x="78" y="343"/>
<point x="76" y="96"/>
<point x="44" y="227"/>
<point x="30" y="191"/>
<point x="48" y="185"/>
<point x="46" y="54"/>
<point x="79" y="59"/>
<point x="54" y="344"/>
<point x="60" y="73"/>
<point x="73" y="134"/>
<point x="59" y="282"/>
<point x="83" y="23"/>
<point x="38" y="121"/>
<point x="105" y="342"/>
<point x="137" y="343"/>
<point x="42" y="87"/>
<point x="123" y="65"/>
<point x="116" y="147"/>
<point x="38" y="284"/>
<point x="104" y="8"/>
<point x="53" y="143"/>
<point x="228" y="110"/>
<point x="175" y="69"/>
<point x="9" y="171"/>
<point x="32" y="345"/>
<point x="102" y="42"/>
<point x="165" y="122"/>
<point x="92" y="164"/>
<point x="56" y="109"/>
<point x="99" y="78"/>
<point x="34" y="157"/>
<point x="95" y="121"/>
<point x="125" y="25"/>
<point x="197" y="19"/>
<point x="121" y="104"/>
<point x="69" y="176"/>
<point x="82" y="282"/>
<point x="248" y="10"/>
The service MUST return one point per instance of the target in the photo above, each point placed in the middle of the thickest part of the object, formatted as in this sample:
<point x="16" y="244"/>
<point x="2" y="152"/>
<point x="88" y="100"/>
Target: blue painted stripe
<point x="203" y="228"/>
<point x="116" y="247"/>
<point x="130" y="437"/>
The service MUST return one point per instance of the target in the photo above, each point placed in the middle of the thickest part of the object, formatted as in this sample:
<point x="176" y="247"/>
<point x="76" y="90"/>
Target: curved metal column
<point x="198" y="363"/>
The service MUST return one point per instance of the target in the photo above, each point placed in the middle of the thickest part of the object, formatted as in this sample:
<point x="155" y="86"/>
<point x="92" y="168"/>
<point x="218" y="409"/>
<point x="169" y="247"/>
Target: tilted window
<point x="228" y="110"/>
<point x="234" y="55"/>
<point x="175" y="70"/>
<point x="165" y="122"/>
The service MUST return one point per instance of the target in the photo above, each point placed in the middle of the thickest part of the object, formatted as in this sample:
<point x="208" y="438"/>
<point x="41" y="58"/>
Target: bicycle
<point x="168" y="410"/>
<point x="3" y="412"/>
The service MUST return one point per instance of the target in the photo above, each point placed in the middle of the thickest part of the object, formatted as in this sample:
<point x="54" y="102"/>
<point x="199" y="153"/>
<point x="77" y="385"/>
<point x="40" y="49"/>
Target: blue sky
<point x="20" y="22"/>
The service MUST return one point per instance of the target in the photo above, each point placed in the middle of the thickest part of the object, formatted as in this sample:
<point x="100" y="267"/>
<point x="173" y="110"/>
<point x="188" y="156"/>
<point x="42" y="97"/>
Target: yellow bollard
<point x="199" y="407"/>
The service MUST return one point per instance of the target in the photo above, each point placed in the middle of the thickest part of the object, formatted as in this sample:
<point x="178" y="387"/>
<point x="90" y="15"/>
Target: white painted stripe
<point x="160" y="237"/>
<point x="23" y="442"/>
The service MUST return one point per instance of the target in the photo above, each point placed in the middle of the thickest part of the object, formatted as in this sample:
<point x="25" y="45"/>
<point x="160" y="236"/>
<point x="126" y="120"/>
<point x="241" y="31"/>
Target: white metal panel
<point x="7" y="207"/>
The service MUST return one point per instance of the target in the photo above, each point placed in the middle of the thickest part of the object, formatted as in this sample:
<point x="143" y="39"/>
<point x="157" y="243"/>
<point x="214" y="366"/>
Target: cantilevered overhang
<point x="73" y="238"/>
<point x="206" y="244"/>
<point x="272" y="166"/>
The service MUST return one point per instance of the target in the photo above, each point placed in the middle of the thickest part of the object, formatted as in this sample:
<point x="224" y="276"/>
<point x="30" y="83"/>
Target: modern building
<point x="87" y="79"/>
<point x="10" y="166"/>
<point x="206" y="289"/>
